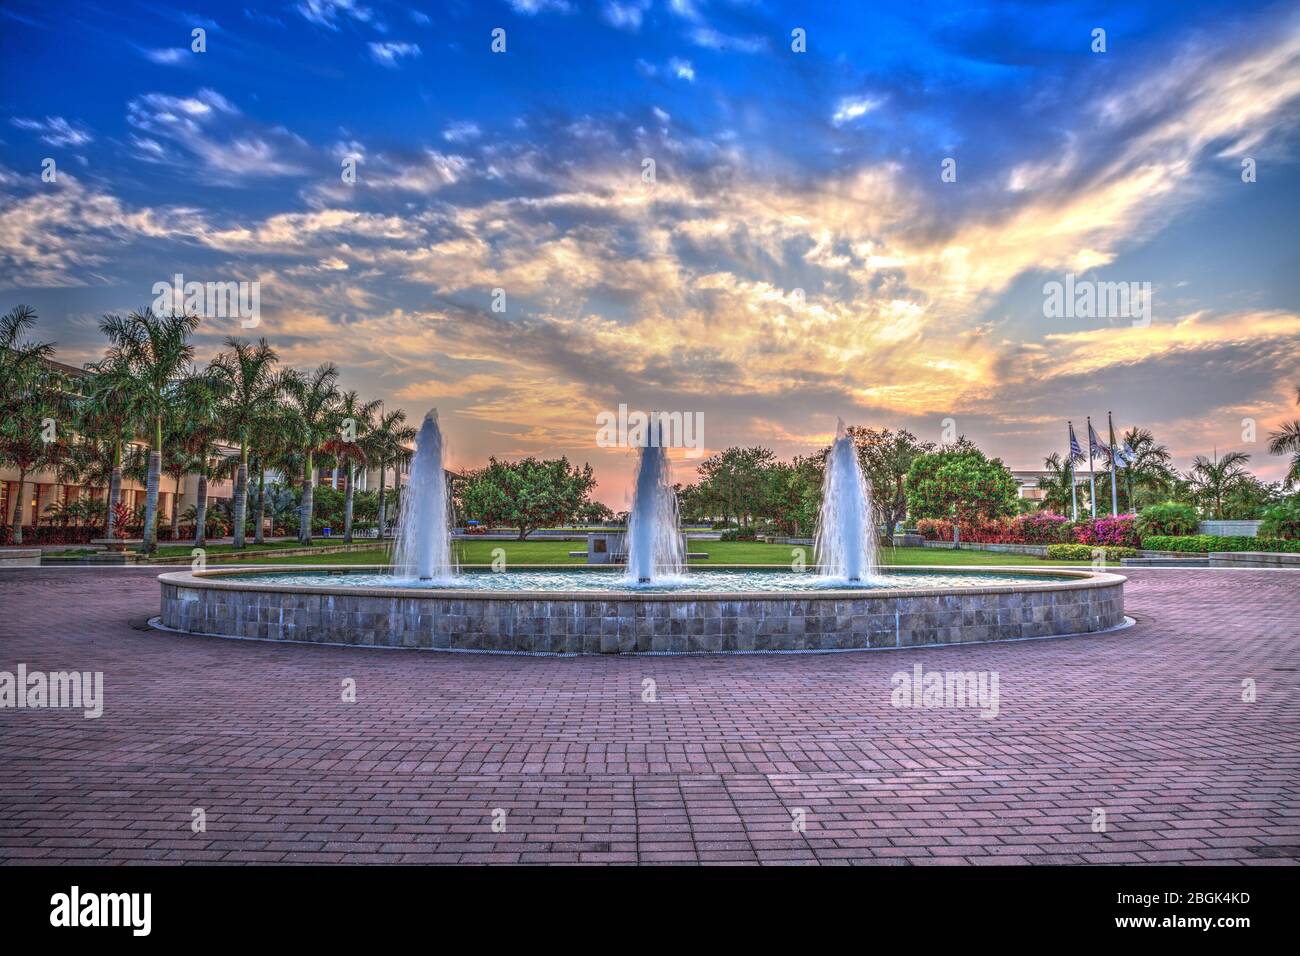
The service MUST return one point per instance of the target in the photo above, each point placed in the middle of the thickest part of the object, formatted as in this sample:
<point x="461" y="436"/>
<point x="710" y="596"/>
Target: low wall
<point x="20" y="557"/>
<point x="1230" y="529"/>
<point x="1254" y="559"/>
<point x="1037" y="550"/>
<point x="217" y="602"/>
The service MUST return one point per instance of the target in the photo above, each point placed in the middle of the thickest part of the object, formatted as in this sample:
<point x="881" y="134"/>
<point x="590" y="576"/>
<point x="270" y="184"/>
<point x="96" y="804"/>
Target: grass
<point x="172" y="550"/>
<point x="720" y="552"/>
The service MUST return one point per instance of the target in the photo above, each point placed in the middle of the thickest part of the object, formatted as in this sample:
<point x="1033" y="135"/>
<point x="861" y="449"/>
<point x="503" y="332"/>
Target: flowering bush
<point x="1042" y="527"/>
<point x="1119" y="531"/>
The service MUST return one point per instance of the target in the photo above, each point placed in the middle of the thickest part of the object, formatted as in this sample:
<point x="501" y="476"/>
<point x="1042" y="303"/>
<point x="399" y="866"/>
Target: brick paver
<point x="1147" y="724"/>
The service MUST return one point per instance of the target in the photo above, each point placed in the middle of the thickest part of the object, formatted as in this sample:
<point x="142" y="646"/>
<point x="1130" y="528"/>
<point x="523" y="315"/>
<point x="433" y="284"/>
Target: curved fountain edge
<point x="585" y="622"/>
<point x="210" y="578"/>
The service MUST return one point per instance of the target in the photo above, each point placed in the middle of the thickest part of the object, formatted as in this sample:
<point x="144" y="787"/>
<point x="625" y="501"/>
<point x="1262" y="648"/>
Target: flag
<point x="1076" y="453"/>
<point x="1095" y="447"/>
<point x="1127" y="455"/>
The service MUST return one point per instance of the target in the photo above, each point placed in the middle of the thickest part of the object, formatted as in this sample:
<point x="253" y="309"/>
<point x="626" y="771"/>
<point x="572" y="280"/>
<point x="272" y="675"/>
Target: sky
<point x="862" y="229"/>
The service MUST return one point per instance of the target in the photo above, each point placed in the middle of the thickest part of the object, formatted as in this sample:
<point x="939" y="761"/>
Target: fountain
<point x="655" y="550"/>
<point x="423" y="601"/>
<point x="845" y="542"/>
<point x="423" y="548"/>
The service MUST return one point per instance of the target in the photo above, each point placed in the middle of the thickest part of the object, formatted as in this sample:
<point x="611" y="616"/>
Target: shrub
<point x="1204" y="543"/>
<point x="1281" y="521"/>
<point x="1170" y="518"/>
<point x="1119" y="531"/>
<point x="1084" y="552"/>
<point x="736" y="534"/>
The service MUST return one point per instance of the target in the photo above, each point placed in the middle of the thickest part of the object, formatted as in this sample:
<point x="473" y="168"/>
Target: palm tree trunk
<point x="259" y="536"/>
<point x="201" y="513"/>
<point x="381" y="500"/>
<point x="151" y="503"/>
<point x="305" y="512"/>
<point x="17" y="537"/>
<point x="114" y="491"/>
<point x="176" y="510"/>
<point x="241" y="498"/>
<point x="347" y="503"/>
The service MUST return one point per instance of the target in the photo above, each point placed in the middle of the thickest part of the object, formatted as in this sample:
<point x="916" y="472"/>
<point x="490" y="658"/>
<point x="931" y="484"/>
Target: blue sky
<point x="776" y="171"/>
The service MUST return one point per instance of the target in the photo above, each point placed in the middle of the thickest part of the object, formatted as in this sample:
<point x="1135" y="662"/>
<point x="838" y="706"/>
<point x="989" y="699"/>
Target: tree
<point x="886" y="457"/>
<point x="1057" y="493"/>
<point x="250" y="384"/>
<point x="388" y="444"/>
<point x="198" y="417"/>
<point x="960" y="484"/>
<point x="526" y="494"/>
<point x="33" y="397"/>
<point x="158" y="353"/>
<point x="1286" y="441"/>
<point x="313" y="398"/>
<point x="734" y="483"/>
<point x="1149" y="477"/>
<point x="349" y="447"/>
<point x="1214" y="479"/>
<point x="106" y="414"/>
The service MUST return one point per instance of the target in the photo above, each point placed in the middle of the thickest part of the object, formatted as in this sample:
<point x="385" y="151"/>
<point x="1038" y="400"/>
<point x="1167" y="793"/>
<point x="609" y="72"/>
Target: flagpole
<point x="1074" y="491"/>
<point x="1114" y="494"/>
<point x="1092" y="472"/>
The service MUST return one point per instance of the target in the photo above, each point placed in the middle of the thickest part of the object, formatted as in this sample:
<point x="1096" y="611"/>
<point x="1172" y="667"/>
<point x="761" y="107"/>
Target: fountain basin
<point x="277" y="604"/>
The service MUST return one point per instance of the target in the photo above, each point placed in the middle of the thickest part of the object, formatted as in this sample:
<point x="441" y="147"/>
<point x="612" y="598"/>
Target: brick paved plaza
<point x="1147" y="724"/>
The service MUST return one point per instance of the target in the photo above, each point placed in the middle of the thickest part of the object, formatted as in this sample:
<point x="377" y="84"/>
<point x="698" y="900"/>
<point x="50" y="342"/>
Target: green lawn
<point x="173" y="550"/>
<point x="720" y="552"/>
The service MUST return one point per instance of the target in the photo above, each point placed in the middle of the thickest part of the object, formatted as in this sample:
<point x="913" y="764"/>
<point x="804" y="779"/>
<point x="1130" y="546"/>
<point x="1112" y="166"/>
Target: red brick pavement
<point x="1147" y="724"/>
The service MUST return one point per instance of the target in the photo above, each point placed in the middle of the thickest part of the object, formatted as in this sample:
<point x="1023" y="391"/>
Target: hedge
<point x="1084" y="552"/>
<point x="1205" y="543"/>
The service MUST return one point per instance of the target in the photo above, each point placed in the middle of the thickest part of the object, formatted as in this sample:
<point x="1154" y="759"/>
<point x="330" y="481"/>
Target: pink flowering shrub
<point x="1119" y="531"/>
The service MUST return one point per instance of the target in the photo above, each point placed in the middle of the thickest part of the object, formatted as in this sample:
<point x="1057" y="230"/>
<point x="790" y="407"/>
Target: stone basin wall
<point x="212" y="602"/>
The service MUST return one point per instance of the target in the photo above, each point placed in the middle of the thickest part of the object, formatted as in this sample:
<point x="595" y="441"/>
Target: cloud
<point x="56" y="131"/>
<point x="328" y="13"/>
<point x="850" y="108"/>
<point x="714" y="40"/>
<point x="682" y="69"/>
<point x="461" y="132"/>
<point x="210" y="129"/>
<point x="167" y="56"/>
<point x="530" y="8"/>
<point x="625" y="14"/>
<point x="389" y="54"/>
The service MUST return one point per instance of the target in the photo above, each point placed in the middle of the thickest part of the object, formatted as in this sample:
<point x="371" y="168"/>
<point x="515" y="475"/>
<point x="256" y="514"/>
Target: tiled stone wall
<point x="599" y="625"/>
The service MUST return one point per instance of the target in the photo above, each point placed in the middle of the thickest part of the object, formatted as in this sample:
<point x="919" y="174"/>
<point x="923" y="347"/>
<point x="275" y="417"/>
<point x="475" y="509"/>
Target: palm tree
<point x="1056" y="486"/>
<point x="349" y="447"/>
<point x="1214" y="479"/>
<point x="248" y="372"/>
<point x="1151" y="466"/>
<point x="158" y="353"/>
<point x="199" y="425"/>
<point x="313" y="398"/>
<point x="1287" y="441"/>
<point x="386" y="445"/>
<point x="32" y="398"/>
<point x="107" y="414"/>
